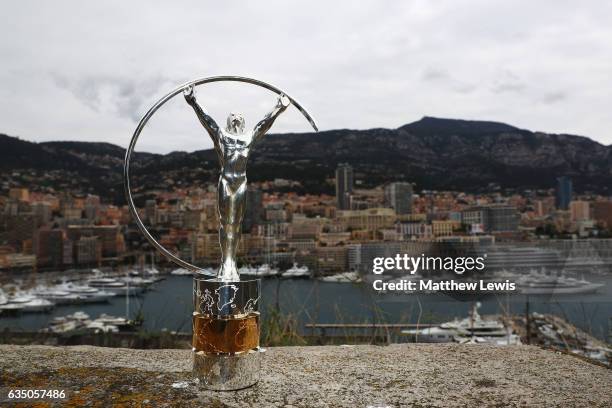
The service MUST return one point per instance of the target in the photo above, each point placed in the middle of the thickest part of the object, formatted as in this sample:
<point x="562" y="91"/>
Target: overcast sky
<point x="89" y="70"/>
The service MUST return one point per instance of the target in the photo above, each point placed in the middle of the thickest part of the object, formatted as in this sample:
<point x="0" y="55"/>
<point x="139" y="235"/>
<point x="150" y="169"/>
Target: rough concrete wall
<point x="330" y="376"/>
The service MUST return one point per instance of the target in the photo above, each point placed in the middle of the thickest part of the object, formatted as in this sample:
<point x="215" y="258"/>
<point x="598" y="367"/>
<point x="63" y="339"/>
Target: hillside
<point x="434" y="153"/>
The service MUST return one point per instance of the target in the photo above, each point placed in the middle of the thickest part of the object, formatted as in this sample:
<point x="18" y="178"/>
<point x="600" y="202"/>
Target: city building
<point x="111" y="239"/>
<point x="371" y="219"/>
<point x="563" y="193"/>
<point x="602" y="213"/>
<point x="19" y="194"/>
<point x="415" y="230"/>
<point x="331" y="259"/>
<point x="399" y="197"/>
<point x="344" y="186"/>
<point x="150" y="212"/>
<point x="441" y="228"/>
<point x="493" y="218"/>
<point x="88" y="250"/>
<point x="49" y="247"/>
<point x="580" y="211"/>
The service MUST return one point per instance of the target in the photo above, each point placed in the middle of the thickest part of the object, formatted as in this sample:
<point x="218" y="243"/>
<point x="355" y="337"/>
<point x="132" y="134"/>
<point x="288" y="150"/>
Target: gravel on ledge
<point x="406" y="375"/>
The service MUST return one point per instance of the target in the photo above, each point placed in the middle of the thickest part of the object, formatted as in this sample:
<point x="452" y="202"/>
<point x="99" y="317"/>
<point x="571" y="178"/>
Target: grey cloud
<point x="553" y="97"/>
<point x="433" y="74"/>
<point x="123" y="96"/>
<point x="508" y="82"/>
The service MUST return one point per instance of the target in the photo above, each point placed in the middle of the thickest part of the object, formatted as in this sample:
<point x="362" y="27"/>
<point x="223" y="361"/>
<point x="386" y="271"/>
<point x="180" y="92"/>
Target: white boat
<point x="98" y="327"/>
<point x="111" y="323"/>
<point x="472" y="329"/>
<point x="264" y="271"/>
<point x="247" y="271"/>
<point x="181" y="272"/>
<point x="63" y="324"/>
<point x="137" y="281"/>
<point x="37" y="305"/>
<point x="344" y="277"/>
<point x="59" y="297"/>
<point x="24" y="302"/>
<point x="85" y="293"/>
<point x="540" y="284"/>
<point x="151" y="271"/>
<point x="296" y="272"/>
<point x="11" y="308"/>
<point x="115" y="286"/>
<point x="434" y="334"/>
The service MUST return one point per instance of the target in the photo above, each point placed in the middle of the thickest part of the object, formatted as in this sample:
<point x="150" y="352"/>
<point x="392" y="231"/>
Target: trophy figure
<point x="226" y="316"/>
<point x="232" y="145"/>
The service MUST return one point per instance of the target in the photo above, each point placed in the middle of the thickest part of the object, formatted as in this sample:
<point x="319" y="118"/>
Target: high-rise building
<point x="253" y="214"/>
<point x="399" y="197"/>
<point x="43" y="212"/>
<point x="564" y="193"/>
<point x="150" y="211"/>
<point x="49" y="247"/>
<point x="344" y="186"/>
<point x="88" y="250"/>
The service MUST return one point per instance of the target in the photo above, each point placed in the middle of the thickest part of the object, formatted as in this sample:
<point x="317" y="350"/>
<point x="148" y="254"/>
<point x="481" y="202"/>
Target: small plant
<point x="279" y="329"/>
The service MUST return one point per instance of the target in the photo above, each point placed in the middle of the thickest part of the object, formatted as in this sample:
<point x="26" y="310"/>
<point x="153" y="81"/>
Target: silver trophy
<point x="226" y="316"/>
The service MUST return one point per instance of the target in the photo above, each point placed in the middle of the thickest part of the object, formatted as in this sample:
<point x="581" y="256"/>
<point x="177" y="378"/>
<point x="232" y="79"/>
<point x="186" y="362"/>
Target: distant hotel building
<point x="580" y="211"/>
<point x="564" y="193"/>
<point x="399" y="197"/>
<point x="344" y="186"/>
<point x="491" y="218"/>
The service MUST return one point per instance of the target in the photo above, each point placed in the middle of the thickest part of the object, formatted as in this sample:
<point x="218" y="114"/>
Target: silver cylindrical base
<point x="221" y="372"/>
<point x="226" y="353"/>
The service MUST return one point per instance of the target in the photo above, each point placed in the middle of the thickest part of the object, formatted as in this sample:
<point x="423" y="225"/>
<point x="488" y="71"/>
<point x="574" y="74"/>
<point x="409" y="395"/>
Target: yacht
<point x="27" y="303"/>
<point x="3" y="298"/>
<point x="98" y="327"/>
<point x="86" y="294"/>
<point x="542" y="284"/>
<point x="115" y="286"/>
<point x="436" y="334"/>
<point x="344" y="277"/>
<point x="59" y="297"/>
<point x="181" y="272"/>
<point x="247" y="271"/>
<point x="296" y="272"/>
<point x="63" y="324"/>
<point x="265" y="271"/>
<point x="472" y="329"/>
<point x="137" y="281"/>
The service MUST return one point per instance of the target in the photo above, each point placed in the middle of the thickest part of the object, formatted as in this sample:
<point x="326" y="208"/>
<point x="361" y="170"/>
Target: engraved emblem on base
<point x="226" y="321"/>
<point x="226" y="333"/>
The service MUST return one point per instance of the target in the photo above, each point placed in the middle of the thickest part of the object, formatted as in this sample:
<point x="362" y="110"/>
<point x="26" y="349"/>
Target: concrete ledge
<point x="330" y="376"/>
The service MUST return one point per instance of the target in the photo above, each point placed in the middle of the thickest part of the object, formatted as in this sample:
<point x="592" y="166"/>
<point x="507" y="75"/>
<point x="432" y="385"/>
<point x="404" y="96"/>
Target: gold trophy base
<point x="226" y="353"/>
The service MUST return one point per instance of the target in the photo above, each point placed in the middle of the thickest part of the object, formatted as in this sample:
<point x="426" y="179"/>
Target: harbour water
<point x="167" y="305"/>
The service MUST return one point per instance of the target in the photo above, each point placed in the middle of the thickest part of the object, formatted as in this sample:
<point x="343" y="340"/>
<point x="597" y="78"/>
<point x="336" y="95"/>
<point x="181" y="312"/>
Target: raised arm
<point x="266" y="123"/>
<point x="209" y="123"/>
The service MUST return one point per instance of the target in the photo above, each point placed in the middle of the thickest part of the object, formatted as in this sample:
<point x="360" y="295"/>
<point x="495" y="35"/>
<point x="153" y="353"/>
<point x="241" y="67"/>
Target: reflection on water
<point x="168" y="305"/>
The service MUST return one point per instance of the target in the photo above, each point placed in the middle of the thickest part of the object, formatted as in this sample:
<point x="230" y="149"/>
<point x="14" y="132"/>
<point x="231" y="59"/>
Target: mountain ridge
<point x="435" y="153"/>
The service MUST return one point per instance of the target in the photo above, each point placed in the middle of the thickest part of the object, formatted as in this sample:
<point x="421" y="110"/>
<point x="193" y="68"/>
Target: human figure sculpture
<point x="233" y="145"/>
